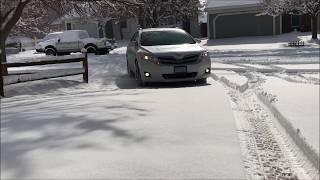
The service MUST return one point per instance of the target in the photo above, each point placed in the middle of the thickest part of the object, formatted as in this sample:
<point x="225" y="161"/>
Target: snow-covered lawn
<point x="299" y="66"/>
<point x="263" y="48"/>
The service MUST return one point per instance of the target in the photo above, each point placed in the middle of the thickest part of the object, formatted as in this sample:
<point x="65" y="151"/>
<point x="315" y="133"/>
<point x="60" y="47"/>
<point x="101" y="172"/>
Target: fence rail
<point x="44" y="74"/>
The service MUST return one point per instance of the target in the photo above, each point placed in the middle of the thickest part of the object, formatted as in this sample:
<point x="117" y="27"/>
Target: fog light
<point x="146" y="74"/>
<point x="208" y="70"/>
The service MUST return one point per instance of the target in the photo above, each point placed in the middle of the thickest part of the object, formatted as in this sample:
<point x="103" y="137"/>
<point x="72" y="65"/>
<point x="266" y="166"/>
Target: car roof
<point x="56" y="33"/>
<point x="76" y="31"/>
<point x="161" y="29"/>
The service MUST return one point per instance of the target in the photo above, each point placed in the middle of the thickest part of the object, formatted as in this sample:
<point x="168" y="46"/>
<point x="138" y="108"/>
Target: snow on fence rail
<point x="44" y="74"/>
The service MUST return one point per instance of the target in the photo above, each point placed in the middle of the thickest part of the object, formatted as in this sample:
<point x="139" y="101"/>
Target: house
<point x="98" y="27"/>
<point x="123" y="28"/>
<point x="118" y="29"/>
<point x="235" y="18"/>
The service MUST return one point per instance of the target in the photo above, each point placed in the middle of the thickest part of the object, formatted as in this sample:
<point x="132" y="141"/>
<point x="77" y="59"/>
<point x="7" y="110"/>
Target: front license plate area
<point x="180" y="69"/>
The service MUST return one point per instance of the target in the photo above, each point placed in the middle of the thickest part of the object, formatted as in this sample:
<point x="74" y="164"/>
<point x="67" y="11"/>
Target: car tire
<point x="50" y="52"/>
<point x="138" y="75"/>
<point x="91" y="49"/>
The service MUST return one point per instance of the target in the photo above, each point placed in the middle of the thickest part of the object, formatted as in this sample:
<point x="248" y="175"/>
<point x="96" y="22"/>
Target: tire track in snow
<point x="269" y="153"/>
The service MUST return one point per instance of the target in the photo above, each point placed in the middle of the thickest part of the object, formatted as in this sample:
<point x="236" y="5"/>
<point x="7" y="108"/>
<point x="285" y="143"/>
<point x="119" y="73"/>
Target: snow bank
<point x="231" y="79"/>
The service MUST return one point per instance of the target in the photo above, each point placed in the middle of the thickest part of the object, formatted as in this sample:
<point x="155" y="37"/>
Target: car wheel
<point x="50" y="52"/>
<point x="138" y="75"/>
<point x="91" y="49"/>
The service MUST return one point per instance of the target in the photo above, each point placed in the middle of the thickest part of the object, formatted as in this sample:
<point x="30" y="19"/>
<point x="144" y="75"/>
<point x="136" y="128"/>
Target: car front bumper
<point x="166" y="72"/>
<point x="40" y="50"/>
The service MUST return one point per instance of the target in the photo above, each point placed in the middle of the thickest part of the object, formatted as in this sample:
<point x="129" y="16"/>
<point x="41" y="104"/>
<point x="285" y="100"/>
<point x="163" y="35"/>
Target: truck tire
<point x="91" y="49"/>
<point x="50" y="52"/>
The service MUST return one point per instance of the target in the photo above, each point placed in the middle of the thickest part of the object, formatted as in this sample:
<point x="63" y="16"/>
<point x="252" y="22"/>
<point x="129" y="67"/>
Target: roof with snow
<point x="224" y="4"/>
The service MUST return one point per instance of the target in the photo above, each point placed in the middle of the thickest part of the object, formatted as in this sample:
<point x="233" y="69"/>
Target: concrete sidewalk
<point x="163" y="133"/>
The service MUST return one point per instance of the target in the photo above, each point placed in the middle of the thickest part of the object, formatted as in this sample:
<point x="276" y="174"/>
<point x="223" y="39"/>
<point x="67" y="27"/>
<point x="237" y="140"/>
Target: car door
<point x="68" y="42"/>
<point x="132" y="49"/>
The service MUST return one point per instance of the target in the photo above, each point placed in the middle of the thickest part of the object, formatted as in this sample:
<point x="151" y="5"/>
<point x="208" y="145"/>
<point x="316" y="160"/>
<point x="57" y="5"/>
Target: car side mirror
<point x="197" y="40"/>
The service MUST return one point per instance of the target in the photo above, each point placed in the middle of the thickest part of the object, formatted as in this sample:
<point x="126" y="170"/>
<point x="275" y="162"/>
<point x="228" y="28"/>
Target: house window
<point x="68" y="26"/>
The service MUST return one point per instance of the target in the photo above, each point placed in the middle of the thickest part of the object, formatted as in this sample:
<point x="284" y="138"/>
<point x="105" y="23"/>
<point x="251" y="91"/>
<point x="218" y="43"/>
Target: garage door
<point x="243" y="25"/>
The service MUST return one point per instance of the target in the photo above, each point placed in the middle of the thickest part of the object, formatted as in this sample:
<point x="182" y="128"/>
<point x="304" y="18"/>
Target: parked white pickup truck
<point x="73" y="41"/>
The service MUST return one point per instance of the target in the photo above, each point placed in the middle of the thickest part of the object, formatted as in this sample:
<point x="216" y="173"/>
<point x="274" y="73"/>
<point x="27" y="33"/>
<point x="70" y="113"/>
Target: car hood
<point x="47" y="42"/>
<point x="182" y="48"/>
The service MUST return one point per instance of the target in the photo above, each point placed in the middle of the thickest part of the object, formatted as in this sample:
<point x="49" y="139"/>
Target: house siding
<point x="90" y="27"/>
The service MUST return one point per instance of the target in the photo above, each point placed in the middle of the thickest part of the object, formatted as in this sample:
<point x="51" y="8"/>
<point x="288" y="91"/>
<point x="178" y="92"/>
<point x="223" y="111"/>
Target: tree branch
<point x="14" y="19"/>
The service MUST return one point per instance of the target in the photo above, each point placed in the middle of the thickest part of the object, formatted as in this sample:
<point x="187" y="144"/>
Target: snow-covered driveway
<point x="112" y="129"/>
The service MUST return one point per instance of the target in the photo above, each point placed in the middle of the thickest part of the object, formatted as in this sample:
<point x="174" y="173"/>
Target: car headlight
<point x="205" y="54"/>
<point x="148" y="57"/>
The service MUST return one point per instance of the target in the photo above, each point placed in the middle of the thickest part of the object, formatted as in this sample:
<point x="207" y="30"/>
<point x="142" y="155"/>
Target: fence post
<point x="1" y="81"/>
<point x="85" y="66"/>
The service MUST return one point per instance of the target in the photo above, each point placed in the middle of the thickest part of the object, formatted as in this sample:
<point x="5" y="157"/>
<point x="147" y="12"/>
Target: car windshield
<point x="50" y="36"/>
<point x="158" y="38"/>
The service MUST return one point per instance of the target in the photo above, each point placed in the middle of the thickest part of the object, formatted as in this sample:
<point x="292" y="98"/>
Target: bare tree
<point x="155" y="11"/>
<point x="296" y="7"/>
<point x="33" y="23"/>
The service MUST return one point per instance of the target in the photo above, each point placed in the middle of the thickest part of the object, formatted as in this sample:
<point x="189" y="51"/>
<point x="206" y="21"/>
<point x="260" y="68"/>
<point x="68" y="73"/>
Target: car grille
<point x="180" y="75"/>
<point x="188" y="59"/>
